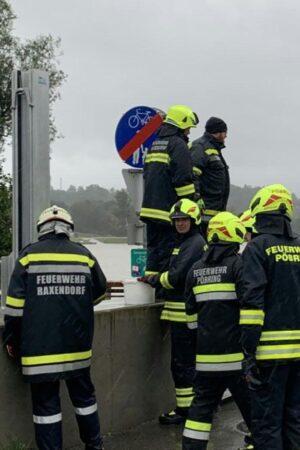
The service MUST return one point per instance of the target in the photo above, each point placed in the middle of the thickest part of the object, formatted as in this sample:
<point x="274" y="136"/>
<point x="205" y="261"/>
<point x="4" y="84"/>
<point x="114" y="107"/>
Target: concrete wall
<point x="131" y="373"/>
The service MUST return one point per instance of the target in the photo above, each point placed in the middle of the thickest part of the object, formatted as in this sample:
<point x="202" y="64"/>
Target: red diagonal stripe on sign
<point x="140" y="137"/>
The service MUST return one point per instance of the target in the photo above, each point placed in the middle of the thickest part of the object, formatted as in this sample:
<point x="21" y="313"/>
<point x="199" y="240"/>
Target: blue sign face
<point x="135" y="133"/>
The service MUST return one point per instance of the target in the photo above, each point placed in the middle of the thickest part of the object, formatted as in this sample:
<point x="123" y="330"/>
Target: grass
<point x="15" y="445"/>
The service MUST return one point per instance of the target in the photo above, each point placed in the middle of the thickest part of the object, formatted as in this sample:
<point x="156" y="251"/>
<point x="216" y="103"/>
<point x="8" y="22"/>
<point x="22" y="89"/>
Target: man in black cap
<point x="210" y="170"/>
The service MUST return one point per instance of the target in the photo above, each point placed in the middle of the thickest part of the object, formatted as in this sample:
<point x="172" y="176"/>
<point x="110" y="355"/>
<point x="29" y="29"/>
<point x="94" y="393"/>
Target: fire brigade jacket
<point x="189" y="249"/>
<point x="213" y="289"/>
<point x="49" y="308"/>
<point x="211" y="174"/>
<point x="167" y="175"/>
<point x="270" y="314"/>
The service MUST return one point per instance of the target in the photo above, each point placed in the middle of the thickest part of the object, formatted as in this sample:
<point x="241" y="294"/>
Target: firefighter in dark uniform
<point x="213" y="290"/>
<point x="167" y="178"/>
<point x="189" y="247"/>
<point x="49" y="324"/>
<point x="270" y="320"/>
<point x="210" y="170"/>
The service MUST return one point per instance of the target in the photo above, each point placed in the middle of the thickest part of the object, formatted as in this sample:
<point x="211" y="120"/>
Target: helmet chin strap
<point x="55" y="226"/>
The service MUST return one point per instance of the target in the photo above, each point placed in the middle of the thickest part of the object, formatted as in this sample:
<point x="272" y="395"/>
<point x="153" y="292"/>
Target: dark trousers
<point x="208" y="395"/>
<point x="276" y="408"/>
<point x="160" y="243"/>
<point x="47" y="416"/>
<point x="183" y="354"/>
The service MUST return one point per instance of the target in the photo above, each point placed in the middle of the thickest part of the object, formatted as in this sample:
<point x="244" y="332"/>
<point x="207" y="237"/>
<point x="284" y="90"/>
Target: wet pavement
<point x="152" y="436"/>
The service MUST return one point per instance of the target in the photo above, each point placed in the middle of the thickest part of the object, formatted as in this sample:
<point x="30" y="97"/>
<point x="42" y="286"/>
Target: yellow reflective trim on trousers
<point x="251" y="317"/>
<point x="56" y="257"/>
<point x="157" y="157"/>
<point x="281" y="335"/>
<point x="155" y="214"/>
<point x="197" y="171"/>
<point x="164" y="280"/>
<point x="175" y="251"/>
<point x="214" y="287"/>
<point x="211" y="151"/>
<point x="184" y="402"/>
<point x="16" y="302"/>
<point x="230" y="357"/>
<point x="59" y="358"/>
<point x="185" y="190"/>
<point x="197" y="426"/>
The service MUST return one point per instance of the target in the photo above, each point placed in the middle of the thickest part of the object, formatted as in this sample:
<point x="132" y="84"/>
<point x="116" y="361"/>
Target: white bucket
<point x="138" y="293"/>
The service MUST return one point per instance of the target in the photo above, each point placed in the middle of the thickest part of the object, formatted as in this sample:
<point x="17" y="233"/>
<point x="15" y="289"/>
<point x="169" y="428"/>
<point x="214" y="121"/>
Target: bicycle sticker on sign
<point x="135" y="133"/>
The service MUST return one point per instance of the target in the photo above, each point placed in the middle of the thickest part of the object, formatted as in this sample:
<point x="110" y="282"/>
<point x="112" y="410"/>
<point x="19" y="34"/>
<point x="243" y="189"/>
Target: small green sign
<point x="138" y="262"/>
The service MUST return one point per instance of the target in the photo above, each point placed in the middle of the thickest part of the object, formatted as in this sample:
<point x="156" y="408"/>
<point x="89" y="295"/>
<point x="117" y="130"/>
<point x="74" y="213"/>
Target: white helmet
<point x="55" y="213"/>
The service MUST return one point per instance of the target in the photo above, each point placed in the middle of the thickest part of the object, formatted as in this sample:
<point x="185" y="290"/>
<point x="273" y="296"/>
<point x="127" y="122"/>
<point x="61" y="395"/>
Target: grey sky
<point x="237" y="59"/>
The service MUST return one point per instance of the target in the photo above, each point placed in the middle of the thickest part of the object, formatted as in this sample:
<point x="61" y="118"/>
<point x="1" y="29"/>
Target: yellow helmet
<point x="225" y="227"/>
<point x="181" y="116"/>
<point x="248" y="220"/>
<point x="55" y="213"/>
<point x="185" y="208"/>
<point x="274" y="198"/>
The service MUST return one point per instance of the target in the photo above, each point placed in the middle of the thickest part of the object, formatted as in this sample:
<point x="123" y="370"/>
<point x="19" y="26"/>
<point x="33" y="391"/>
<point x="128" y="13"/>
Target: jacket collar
<point x="273" y="224"/>
<point x="217" y="252"/>
<point x="167" y="130"/>
<point x="217" y="144"/>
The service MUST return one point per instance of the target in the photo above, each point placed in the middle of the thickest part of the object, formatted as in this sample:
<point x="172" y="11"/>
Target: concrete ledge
<point x="131" y="373"/>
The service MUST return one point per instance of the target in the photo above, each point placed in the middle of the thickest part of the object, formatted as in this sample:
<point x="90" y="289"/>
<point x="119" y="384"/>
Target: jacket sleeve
<point x="98" y="282"/>
<point x="252" y="307"/>
<point x="190" y="300"/>
<point x="176" y="275"/>
<point x="14" y="306"/>
<point x="199" y="162"/>
<point x="181" y="170"/>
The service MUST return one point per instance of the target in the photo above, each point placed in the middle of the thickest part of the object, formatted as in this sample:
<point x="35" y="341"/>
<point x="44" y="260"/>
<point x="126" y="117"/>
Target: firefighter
<point x="210" y="170"/>
<point x="49" y="324"/>
<point x="249" y="223"/>
<point x="270" y="320"/>
<point x="167" y="178"/>
<point x="213" y="290"/>
<point x="189" y="246"/>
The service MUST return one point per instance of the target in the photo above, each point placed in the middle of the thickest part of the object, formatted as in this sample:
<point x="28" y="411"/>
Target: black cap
<point x="215" y="125"/>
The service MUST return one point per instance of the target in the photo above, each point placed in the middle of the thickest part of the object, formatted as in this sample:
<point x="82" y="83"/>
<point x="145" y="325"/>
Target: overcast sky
<point x="236" y="59"/>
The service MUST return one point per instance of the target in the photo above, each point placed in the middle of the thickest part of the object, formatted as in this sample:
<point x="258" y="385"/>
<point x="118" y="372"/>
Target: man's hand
<point x="252" y="373"/>
<point x="150" y="279"/>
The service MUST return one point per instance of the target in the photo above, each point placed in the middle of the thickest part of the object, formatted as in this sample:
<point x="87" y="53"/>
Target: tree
<point x="39" y="53"/>
<point x="5" y="214"/>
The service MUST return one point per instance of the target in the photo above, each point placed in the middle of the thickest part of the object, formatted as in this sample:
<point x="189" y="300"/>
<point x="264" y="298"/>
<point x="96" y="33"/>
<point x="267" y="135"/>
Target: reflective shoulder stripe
<point x="56" y="257"/>
<point x="185" y="190"/>
<point x="251" y="317"/>
<point x="86" y="411"/>
<point x="44" y="420"/>
<point x="211" y="151"/>
<point x="164" y="280"/>
<point x="214" y="287"/>
<point x="197" y="171"/>
<point x="15" y="302"/>
<point x="49" y="359"/>
<point x="157" y="157"/>
<point x="155" y="214"/>
<point x="58" y="268"/>
<point x="218" y="296"/>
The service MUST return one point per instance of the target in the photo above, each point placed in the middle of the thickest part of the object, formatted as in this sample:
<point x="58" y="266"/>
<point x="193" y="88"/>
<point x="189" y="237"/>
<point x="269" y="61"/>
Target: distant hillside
<point x="103" y="212"/>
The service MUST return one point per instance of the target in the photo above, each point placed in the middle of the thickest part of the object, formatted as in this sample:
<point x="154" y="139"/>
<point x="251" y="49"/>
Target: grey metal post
<point x="135" y="186"/>
<point x="31" y="166"/>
